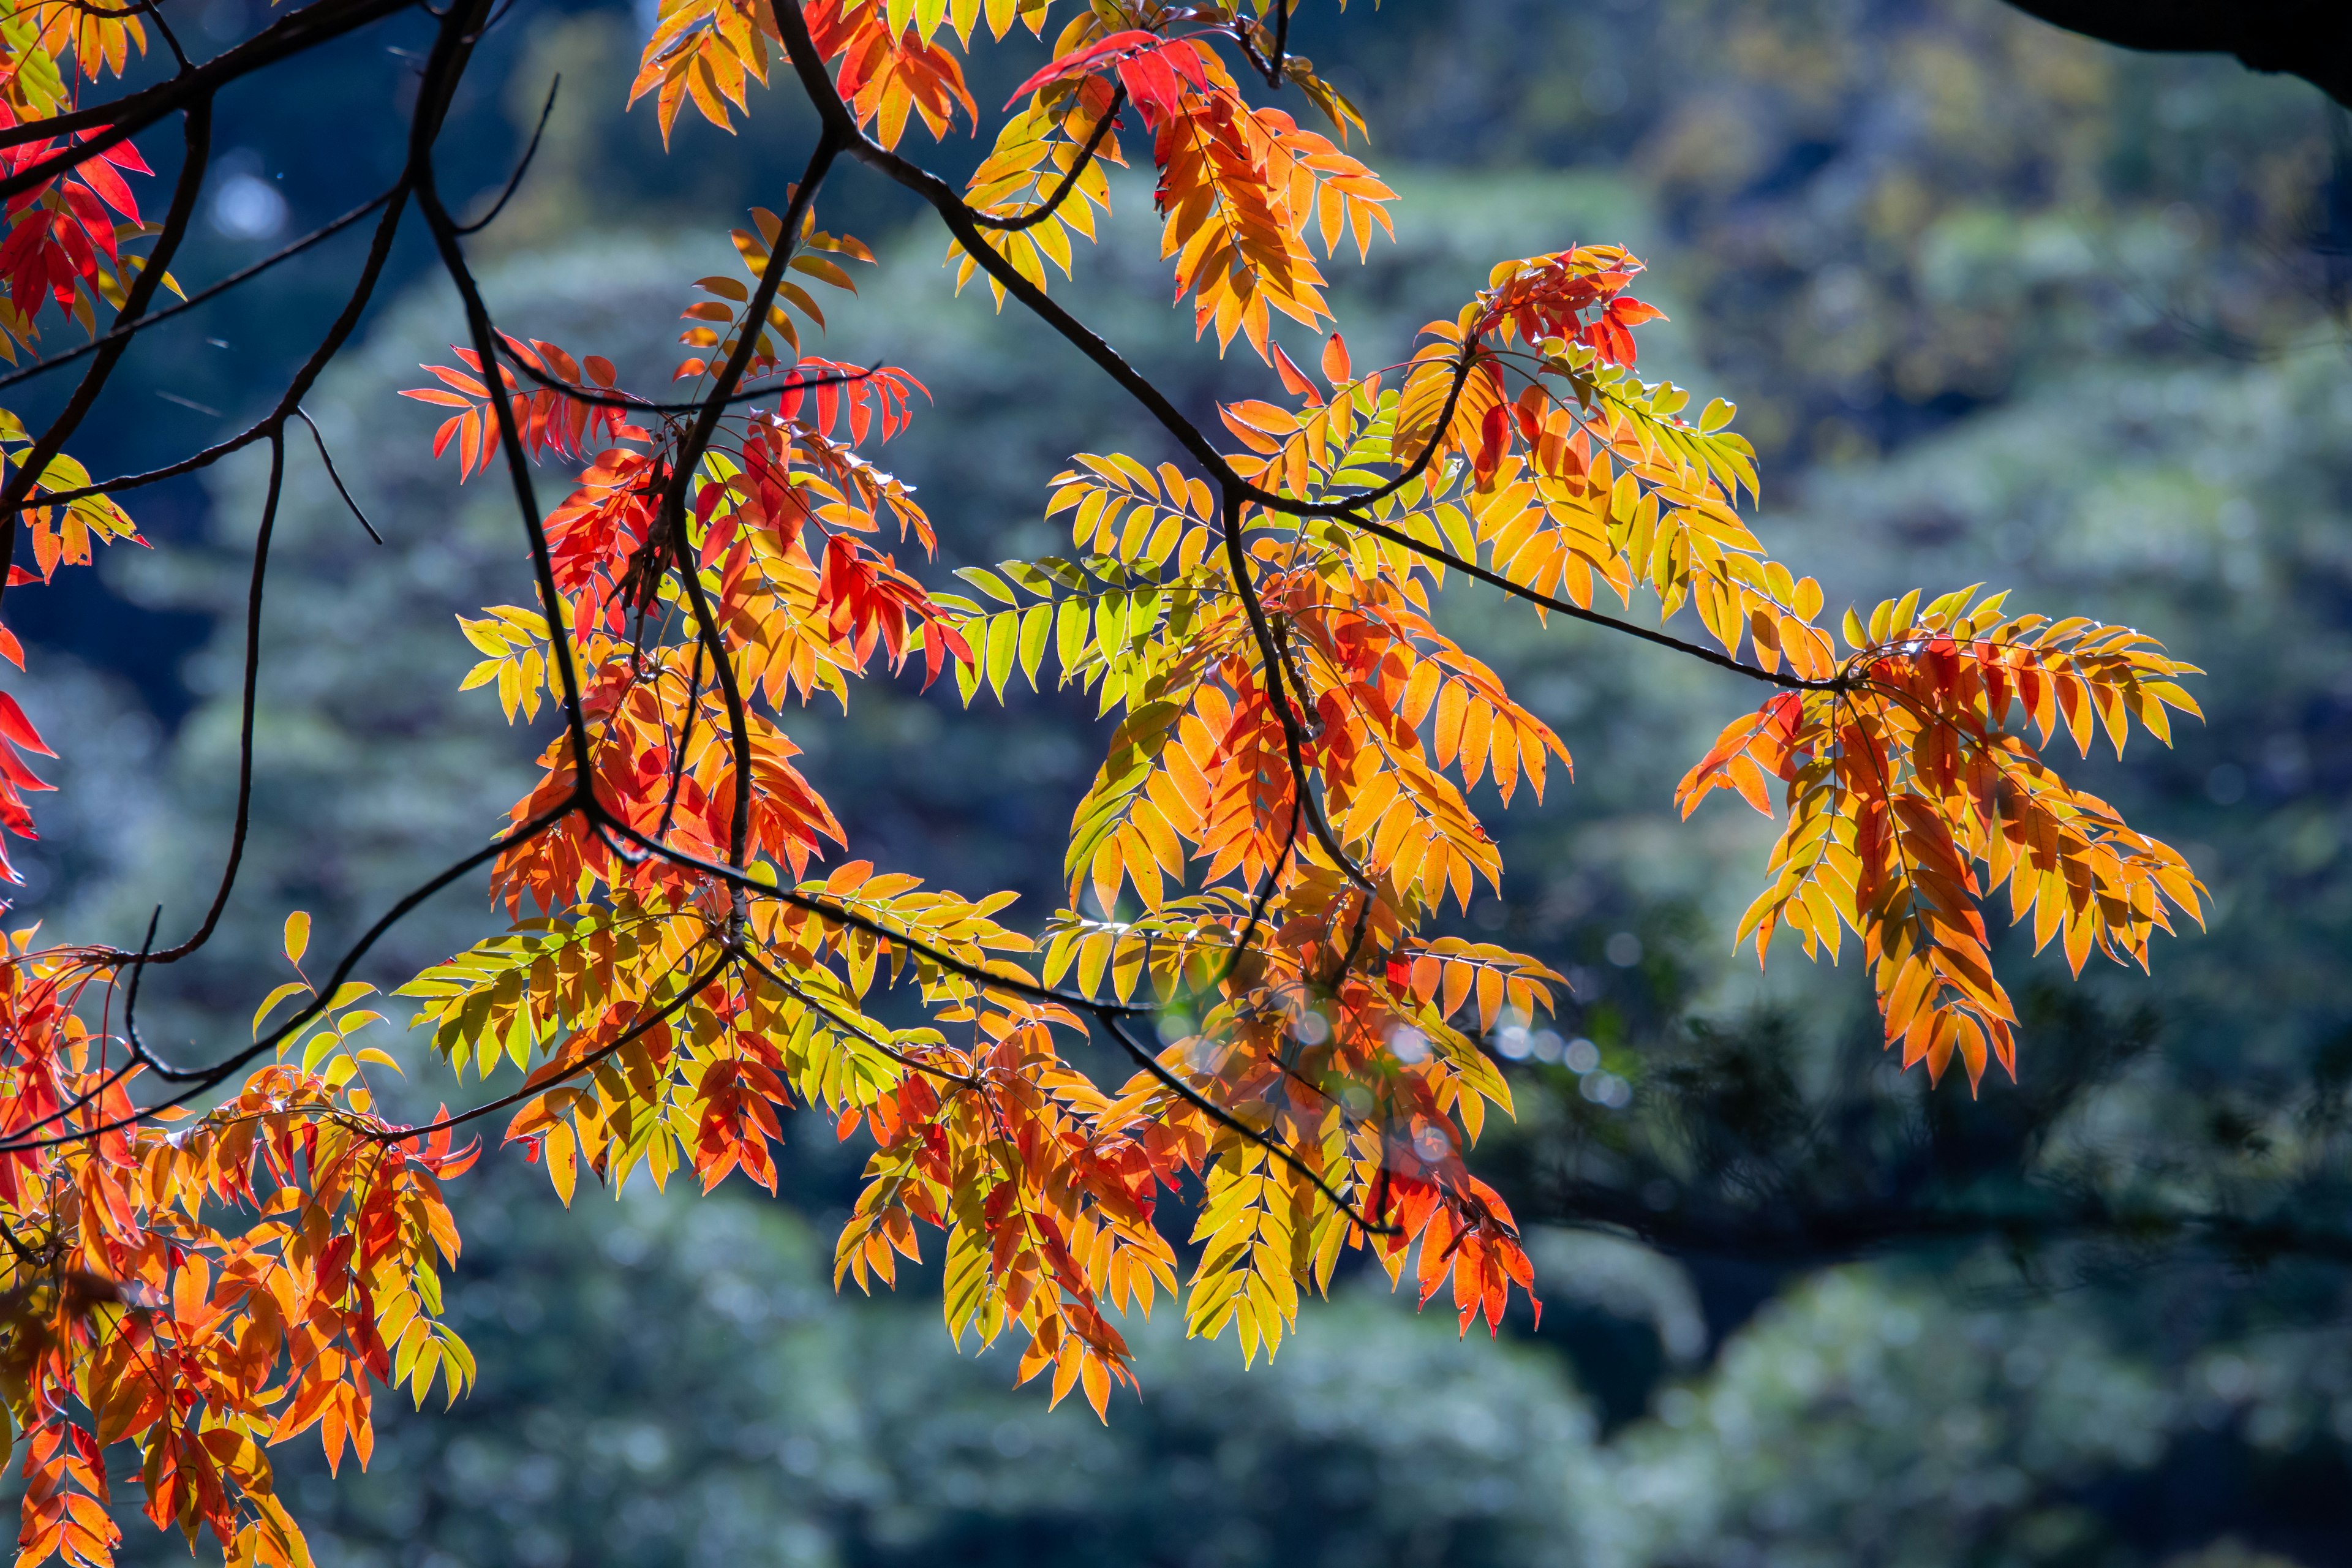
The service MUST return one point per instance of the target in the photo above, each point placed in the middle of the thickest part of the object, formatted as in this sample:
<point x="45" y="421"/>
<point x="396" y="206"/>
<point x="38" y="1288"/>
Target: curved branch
<point x="485" y="346"/>
<point x="514" y="181"/>
<point x="157" y="318"/>
<point x="241" y="823"/>
<point x="596" y="398"/>
<point x="1069" y="182"/>
<point x="687" y="458"/>
<point x="116" y="122"/>
<point x="1578" y="612"/>
<point x="962" y="223"/>
<point x="328" y="460"/>
<point x="202" y="1079"/>
<point x="1294" y="740"/>
<point x="912" y="1064"/>
<point x="670" y="1009"/>
<point x="980" y="974"/>
<point x="1275" y="1146"/>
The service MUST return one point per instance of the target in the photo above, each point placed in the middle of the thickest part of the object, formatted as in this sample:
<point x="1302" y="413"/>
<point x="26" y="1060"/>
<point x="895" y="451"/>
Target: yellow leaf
<point x="269" y="1002"/>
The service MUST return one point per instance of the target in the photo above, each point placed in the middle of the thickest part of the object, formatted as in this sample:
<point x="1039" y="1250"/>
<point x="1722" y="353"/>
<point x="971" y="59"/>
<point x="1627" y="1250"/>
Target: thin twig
<point x="117" y="121"/>
<point x="1225" y="1119"/>
<point x="157" y="318"/>
<point x="1069" y="181"/>
<point x="514" y="181"/>
<point x="340" y="489"/>
<point x="687" y="458"/>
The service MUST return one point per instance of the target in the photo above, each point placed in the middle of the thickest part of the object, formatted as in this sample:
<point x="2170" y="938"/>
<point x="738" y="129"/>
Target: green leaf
<point x="1003" y="635"/>
<point x="1037" y="629"/>
<point x="988" y="582"/>
<point x="1071" y="626"/>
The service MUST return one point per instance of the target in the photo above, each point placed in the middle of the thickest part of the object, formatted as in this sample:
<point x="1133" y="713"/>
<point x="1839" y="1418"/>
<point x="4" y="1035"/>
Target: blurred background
<point x="1997" y="303"/>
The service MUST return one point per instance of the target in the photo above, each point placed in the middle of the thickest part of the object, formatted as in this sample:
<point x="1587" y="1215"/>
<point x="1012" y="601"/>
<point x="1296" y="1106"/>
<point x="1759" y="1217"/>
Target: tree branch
<point x="1069" y="181"/>
<point x="118" y="121"/>
<point x="2308" y="38"/>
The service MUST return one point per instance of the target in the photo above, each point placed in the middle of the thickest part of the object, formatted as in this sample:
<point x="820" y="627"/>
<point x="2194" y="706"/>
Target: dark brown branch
<point x="1265" y="892"/>
<point x="960" y="220"/>
<point x="670" y="1009"/>
<point x="1225" y="1119"/>
<point x="978" y="973"/>
<point x="273" y="430"/>
<point x="450" y="50"/>
<point x="2309" y="38"/>
<point x="201" y="1080"/>
<point x="156" y="318"/>
<point x="340" y="489"/>
<point x="522" y="166"/>
<point x="241" y="823"/>
<point x="155" y="13"/>
<point x="1294" y="738"/>
<point x="687" y="458"/>
<point x="1069" y="181"/>
<point x="1578" y="612"/>
<point x="677" y="751"/>
<point x="338" y="333"/>
<point x="596" y="398"/>
<point x="915" y="1064"/>
<point x="118" y="121"/>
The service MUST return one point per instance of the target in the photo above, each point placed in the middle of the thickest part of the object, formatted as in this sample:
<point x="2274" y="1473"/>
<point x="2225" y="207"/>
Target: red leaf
<point x="1494" y="431"/>
<point x="19" y="729"/>
<point x="1080" y="62"/>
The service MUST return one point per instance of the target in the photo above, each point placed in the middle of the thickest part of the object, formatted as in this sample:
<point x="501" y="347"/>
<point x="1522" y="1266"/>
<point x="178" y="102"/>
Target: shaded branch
<point x="687" y="458"/>
<point x="514" y="181"/>
<point x="1595" y="618"/>
<point x="1293" y="737"/>
<point x="450" y="50"/>
<point x="340" y="489"/>
<point x="2308" y="38"/>
<point x="157" y="318"/>
<point x="670" y="1009"/>
<point x="1069" y="181"/>
<point x="1275" y="1146"/>
<point x="118" y="121"/>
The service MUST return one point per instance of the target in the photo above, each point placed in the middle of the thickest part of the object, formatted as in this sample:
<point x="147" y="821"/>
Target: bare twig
<point x="514" y="181"/>
<point x="340" y="489"/>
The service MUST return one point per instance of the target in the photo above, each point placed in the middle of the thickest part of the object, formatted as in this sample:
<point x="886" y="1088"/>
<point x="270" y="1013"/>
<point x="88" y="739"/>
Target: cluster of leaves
<point x="65" y="232"/>
<point x="61" y="242"/>
<point x="1254" y="877"/>
<point x="137" y="1313"/>
<point x="1902" y="781"/>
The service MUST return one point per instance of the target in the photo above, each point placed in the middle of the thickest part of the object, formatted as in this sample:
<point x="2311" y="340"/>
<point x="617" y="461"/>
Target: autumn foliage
<point x="204" y="1261"/>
